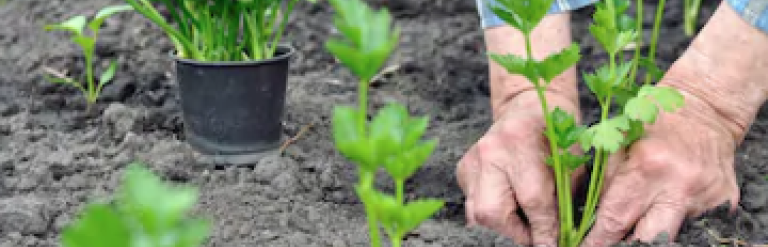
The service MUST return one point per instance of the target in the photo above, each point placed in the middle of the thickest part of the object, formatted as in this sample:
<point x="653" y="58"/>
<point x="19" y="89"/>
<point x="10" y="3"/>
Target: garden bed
<point x="54" y="158"/>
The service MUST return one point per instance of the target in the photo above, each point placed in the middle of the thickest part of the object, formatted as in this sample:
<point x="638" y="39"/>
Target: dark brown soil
<point x="53" y="159"/>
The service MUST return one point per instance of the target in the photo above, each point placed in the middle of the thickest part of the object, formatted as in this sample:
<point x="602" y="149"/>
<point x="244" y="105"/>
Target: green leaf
<point x="105" y="13"/>
<point x="387" y="130"/>
<point x="193" y="233"/>
<point x="74" y="25"/>
<point x="157" y="206"/>
<point x="524" y="15"/>
<point x="414" y="131"/>
<point x="607" y="135"/>
<point x="98" y="226"/>
<point x="349" y="137"/>
<point x="517" y="65"/>
<point x="418" y="211"/>
<point x="108" y="74"/>
<point x="635" y="132"/>
<point x="651" y="68"/>
<point x="668" y="98"/>
<point x="642" y="109"/>
<point x="404" y="165"/>
<point x="570" y="160"/>
<point x="603" y="82"/>
<point x="558" y="63"/>
<point x="368" y="37"/>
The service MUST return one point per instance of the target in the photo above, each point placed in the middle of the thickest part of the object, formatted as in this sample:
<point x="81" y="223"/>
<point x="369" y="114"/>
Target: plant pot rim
<point x="289" y="52"/>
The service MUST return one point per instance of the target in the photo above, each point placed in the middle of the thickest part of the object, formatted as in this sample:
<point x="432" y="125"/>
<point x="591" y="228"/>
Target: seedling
<point x="614" y="87"/>
<point x="76" y="25"/>
<point x="237" y="30"/>
<point x="146" y="212"/>
<point x="392" y="140"/>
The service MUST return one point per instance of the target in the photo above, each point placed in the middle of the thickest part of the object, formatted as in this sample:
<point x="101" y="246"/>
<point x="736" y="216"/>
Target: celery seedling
<point x="392" y="140"/>
<point x="146" y="212"/>
<point x="76" y="25"/>
<point x="614" y="87"/>
<point x="235" y="30"/>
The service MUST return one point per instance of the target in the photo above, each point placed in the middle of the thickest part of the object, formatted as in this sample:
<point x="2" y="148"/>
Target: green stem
<point x="400" y="191"/>
<point x="640" y="41"/>
<point x="89" y="76"/>
<point x="366" y="181"/>
<point x="655" y="35"/>
<point x="362" y="95"/>
<point x="692" y="8"/>
<point x="598" y="166"/>
<point x="396" y="241"/>
<point x="562" y="179"/>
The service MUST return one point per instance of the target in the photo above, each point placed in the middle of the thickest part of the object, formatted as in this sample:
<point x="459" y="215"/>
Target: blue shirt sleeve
<point x="755" y="12"/>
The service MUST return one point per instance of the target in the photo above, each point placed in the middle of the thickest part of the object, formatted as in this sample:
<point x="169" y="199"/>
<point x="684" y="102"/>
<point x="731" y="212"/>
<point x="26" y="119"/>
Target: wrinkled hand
<point x="505" y="173"/>
<point x="682" y="168"/>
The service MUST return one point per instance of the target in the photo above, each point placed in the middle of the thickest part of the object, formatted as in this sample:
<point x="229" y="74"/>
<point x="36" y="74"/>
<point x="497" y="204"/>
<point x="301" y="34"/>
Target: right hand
<point x="505" y="174"/>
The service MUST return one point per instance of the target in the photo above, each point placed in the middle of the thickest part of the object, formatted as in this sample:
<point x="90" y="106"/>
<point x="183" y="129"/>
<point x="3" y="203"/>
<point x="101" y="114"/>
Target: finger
<point x="660" y="218"/>
<point x="622" y="206"/>
<point x="535" y="193"/>
<point x="467" y="172"/>
<point x="493" y="205"/>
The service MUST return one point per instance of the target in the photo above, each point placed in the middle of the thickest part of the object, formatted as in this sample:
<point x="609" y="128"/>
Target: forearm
<point x="726" y="68"/>
<point x="552" y="35"/>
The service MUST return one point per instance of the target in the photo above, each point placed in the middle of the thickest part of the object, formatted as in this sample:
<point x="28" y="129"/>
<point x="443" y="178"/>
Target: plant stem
<point x="692" y="8"/>
<point x="640" y="41"/>
<point x="366" y="181"/>
<point x="655" y="35"/>
<point x="362" y="95"/>
<point x="562" y="179"/>
<point x="396" y="241"/>
<point x="400" y="191"/>
<point x="92" y="94"/>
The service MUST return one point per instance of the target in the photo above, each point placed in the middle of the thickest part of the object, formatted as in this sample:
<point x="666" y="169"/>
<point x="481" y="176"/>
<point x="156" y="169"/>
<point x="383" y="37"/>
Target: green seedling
<point x="146" y="212"/>
<point x="76" y="26"/>
<point x="614" y="87"/>
<point x="236" y="30"/>
<point x="691" y="13"/>
<point x="392" y="140"/>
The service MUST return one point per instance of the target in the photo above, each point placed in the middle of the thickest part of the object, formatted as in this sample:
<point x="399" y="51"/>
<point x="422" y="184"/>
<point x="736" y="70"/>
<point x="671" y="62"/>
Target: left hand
<point x="683" y="167"/>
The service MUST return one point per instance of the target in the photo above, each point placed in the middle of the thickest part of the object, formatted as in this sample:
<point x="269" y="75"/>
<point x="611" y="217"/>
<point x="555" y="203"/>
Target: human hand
<point x="683" y="167"/>
<point x="505" y="173"/>
<point x="685" y="164"/>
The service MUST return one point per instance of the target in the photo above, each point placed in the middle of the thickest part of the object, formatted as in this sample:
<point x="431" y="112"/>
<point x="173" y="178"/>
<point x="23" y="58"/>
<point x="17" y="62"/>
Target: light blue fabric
<point x="754" y="12"/>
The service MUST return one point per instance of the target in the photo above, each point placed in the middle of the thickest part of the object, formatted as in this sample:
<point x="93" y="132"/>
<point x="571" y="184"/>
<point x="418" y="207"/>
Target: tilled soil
<point x="54" y="158"/>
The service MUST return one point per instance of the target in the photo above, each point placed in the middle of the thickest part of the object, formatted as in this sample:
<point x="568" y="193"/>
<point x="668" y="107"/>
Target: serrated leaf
<point x="524" y="15"/>
<point x="635" y="132"/>
<point x="98" y="226"/>
<point x="74" y="25"/>
<point x="667" y="98"/>
<point x="108" y="74"/>
<point x="573" y="161"/>
<point x="607" y="135"/>
<point x="603" y="82"/>
<point x="642" y="109"/>
<point x="418" y="211"/>
<point x="651" y="68"/>
<point x="556" y="64"/>
<point x="350" y="138"/>
<point x="415" y="129"/>
<point x="517" y="65"/>
<point x="404" y="165"/>
<point x="387" y="130"/>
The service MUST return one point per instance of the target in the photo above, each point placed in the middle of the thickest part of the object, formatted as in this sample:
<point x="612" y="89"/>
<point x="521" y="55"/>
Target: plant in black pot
<point x="231" y="69"/>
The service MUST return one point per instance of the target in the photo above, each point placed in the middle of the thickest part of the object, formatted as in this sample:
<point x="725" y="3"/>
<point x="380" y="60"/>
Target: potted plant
<point x="231" y="69"/>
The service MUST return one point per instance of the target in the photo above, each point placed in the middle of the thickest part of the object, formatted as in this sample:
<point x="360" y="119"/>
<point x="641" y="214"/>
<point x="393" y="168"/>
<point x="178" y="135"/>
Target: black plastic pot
<point x="233" y="111"/>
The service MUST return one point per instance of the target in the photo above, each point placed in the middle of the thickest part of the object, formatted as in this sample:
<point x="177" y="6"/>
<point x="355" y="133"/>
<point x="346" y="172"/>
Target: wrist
<point x="724" y="71"/>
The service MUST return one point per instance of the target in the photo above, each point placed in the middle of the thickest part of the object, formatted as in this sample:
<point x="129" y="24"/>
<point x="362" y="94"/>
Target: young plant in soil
<point x="634" y="105"/>
<point x="76" y="26"/>
<point x="237" y="30"/>
<point x="146" y="212"/>
<point x="392" y="140"/>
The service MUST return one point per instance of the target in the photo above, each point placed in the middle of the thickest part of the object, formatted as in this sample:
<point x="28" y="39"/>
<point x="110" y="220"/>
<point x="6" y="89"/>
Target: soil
<point x="54" y="158"/>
